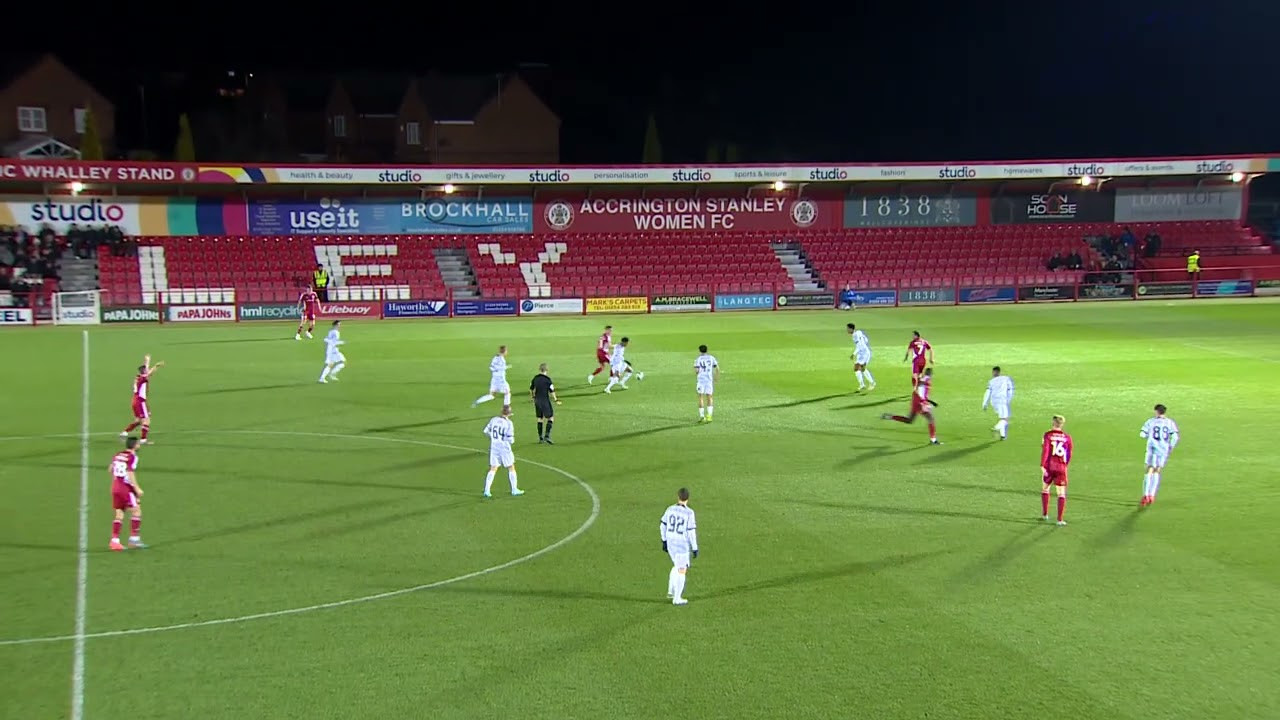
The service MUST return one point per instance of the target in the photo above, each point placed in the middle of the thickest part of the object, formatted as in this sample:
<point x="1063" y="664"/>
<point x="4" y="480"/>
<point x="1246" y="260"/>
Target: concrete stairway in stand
<point x="77" y="275"/>
<point x="797" y="266"/>
<point x="455" y="269"/>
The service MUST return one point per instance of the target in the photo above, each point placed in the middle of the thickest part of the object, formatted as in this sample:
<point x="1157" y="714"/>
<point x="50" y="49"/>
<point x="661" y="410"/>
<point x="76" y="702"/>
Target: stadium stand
<point x="271" y="269"/>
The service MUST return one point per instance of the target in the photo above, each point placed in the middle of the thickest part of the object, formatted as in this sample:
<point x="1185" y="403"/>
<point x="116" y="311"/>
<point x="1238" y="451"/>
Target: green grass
<point x="847" y="568"/>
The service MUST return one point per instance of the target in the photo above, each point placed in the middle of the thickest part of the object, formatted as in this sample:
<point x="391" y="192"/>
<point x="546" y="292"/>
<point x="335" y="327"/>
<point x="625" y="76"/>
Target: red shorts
<point x="917" y="366"/>
<point x="140" y="409"/>
<point x="920" y="407"/>
<point x="123" y="498"/>
<point x="602" y="357"/>
<point x="1056" y="477"/>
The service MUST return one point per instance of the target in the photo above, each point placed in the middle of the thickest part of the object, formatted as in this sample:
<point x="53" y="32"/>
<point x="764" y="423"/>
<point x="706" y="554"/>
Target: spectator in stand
<point x="1056" y="262"/>
<point x="1074" y="261"/>
<point x="846" y="297"/>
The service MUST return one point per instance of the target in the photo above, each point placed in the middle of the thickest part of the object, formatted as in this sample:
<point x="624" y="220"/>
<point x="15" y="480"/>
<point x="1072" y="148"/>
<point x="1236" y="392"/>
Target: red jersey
<point x="606" y="342"/>
<point x="309" y="301"/>
<point x="125" y="462"/>
<point x="917" y="349"/>
<point x="140" y="388"/>
<point x="1055" y="454"/>
<point x="923" y="387"/>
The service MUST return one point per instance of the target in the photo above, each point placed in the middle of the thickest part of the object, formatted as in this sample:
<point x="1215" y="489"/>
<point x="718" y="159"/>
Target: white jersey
<point x="679" y="529"/>
<point x="860" y="342"/>
<point x="706" y="366"/>
<point x="498" y="376"/>
<point x="502" y="435"/>
<point x="1161" y="434"/>
<point x="618" y="359"/>
<point x="332" y="342"/>
<point x="999" y="391"/>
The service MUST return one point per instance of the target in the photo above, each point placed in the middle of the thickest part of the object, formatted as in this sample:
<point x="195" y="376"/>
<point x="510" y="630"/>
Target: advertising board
<point x="415" y="308"/>
<point x="350" y="309"/>
<point x="1163" y="289"/>
<point x="1060" y="206"/>
<point x="472" y="308"/>
<point x="16" y="316"/>
<point x="749" y="301"/>
<point x="130" y="313"/>
<point x="1033" y="293"/>
<point x="687" y="214"/>
<point x="1267" y="287"/>
<point x="1224" y="288"/>
<point x="680" y="303"/>
<point x="618" y="305"/>
<point x="865" y="210"/>
<point x="927" y="296"/>
<point x="1177" y="204"/>
<point x="806" y="301"/>
<point x="391" y="216"/>
<point x="202" y="313"/>
<point x="77" y="316"/>
<point x="551" y="306"/>
<point x="988" y="294"/>
<point x="874" y="298"/>
<point x="269" y="311"/>
<point x="1106" y="291"/>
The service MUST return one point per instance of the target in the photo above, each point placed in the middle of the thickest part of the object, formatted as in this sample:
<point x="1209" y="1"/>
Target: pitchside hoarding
<point x="552" y="306"/>
<point x="927" y="296"/>
<point x="1179" y="204"/>
<point x="131" y="313"/>
<point x="680" y="303"/>
<point x="202" y="313"/>
<point x="16" y="316"/>
<point x="748" y="301"/>
<point x="806" y="301"/>
<point x="415" y="308"/>
<point x="765" y="212"/>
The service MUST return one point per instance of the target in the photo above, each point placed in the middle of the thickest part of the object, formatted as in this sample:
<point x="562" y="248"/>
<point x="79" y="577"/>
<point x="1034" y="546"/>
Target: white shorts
<point x="499" y="387"/>
<point x="500" y="457"/>
<point x="1156" y="458"/>
<point x="618" y="369"/>
<point x="335" y="357"/>
<point x="862" y="357"/>
<point x="1001" y="408"/>
<point x="680" y="559"/>
<point x="706" y="387"/>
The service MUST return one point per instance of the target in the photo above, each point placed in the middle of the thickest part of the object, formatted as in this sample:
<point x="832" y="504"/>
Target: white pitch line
<point x="586" y="525"/>
<point x="82" y="565"/>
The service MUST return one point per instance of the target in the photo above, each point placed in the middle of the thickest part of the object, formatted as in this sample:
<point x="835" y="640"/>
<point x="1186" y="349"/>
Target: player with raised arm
<point x="708" y="372"/>
<point x="1055" y="456"/>
<point x="920" y="352"/>
<point x="603" y="347"/>
<point x="999" y="396"/>
<point x="141" y="413"/>
<point x="543" y="392"/>
<point x="126" y="494"/>
<point x="308" y="309"/>
<point x="1161" y="434"/>
<point x="921" y="404"/>
<point x="497" y="379"/>
<point x="502" y="435"/>
<point x="334" y="360"/>
<point x="861" y="357"/>
<point x="679" y="531"/>
<point x="620" y="370"/>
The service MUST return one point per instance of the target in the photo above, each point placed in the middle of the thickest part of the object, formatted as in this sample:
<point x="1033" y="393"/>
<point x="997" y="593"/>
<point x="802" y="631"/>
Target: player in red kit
<point x="141" y="413"/>
<point x="920" y="352"/>
<point x="126" y="495"/>
<point x="309" y="308"/>
<point x="603" y="346"/>
<point x="921" y="404"/>
<point x="1055" y="456"/>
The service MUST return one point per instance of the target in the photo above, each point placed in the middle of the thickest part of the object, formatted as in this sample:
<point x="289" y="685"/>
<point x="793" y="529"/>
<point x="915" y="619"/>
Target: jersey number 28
<point x="120" y="469"/>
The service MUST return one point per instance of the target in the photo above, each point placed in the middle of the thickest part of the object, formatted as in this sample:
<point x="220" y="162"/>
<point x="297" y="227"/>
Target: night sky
<point x="895" y="81"/>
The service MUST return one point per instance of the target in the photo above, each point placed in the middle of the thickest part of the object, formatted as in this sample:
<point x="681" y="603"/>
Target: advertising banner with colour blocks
<point x="988" y="294"/>
<point x="618" y="305"/>
<point x="872" y="298"/>
<point x="16" y="316"/>
<point x="130" y="313"/>
<point x="391" y="216"/>
<point x="927" y="296"/>
<point x="352" y="309"/>
<point x="415" y="308"/>
<point x="471" y="308"/>
<point x="202" y="313"/>
<point x="680" y="303"/>
<point x="270" y="311"/>
<point x="1224" y="287"/>
<point x="751" y="301"/>
<point x="551" y="306"/>
<point x="806" y="301"/>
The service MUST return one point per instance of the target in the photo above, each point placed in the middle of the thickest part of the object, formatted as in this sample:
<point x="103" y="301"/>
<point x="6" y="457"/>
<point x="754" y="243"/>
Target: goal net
<point x="77" y="308"/>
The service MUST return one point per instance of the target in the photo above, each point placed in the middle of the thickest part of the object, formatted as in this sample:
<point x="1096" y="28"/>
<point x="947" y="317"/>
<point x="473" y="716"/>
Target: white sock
<point x="679" y="585"/>
<point x="710" y="410"/>
<point x="484" y="399"/>
<point x="506" y="399"/>
<point x="1003" y="427"/>
<point x="625" y="378"/>
<point x="488" y="480"/>
<point x="325" y="373"/>
<point x="511" y="475"/>
<point x="1155" y="483"/>
<point x="338" y="368"/>
<point x="671" y="581"/>
<point x="867" y="375"/>
<point x="702" y="412"/>
<point x="858" y="374"/>
<point x="612" y="381"/>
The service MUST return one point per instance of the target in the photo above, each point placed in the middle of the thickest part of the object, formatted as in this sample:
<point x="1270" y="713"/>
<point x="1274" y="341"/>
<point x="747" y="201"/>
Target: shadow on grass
<point x="834" y="572"/>
<point x="798" y="403"/>
<point x="918" y="512"/>
<point x="251" y="388"/>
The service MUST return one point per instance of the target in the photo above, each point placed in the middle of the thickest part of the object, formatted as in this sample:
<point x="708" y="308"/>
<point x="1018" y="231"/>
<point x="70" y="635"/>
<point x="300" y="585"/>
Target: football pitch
<point x="322" y="551"/>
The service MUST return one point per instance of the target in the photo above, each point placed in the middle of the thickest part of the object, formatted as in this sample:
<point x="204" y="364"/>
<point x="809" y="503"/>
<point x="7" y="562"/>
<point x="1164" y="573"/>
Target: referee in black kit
<point x="543" y="392"/>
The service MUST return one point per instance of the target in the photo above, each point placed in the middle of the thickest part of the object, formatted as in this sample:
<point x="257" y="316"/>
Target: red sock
<point x="299" y="329"/>
<point x="132" y="426"/>
<point x="135" y="524"/>
<point x="597" y="372"/>
<point x="115" y="529"/>
<point x="899" y="418"/>
<point x="1044" y="502"/>
<point x="933" y="431"/>
<point x="1062" y="505"/>
<point x="145" y="429"/>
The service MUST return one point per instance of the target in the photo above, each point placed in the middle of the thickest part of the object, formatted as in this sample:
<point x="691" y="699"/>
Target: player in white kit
<point x="999" y="396"/>
<point x="708" y="372"/>
<point x="679" y="530"/>
<point x="334" y="360"/>
<point x="1161" y="434"/>
<point x="502" y="435"/>
<point x="620" y="370"/>
<point x="861" y="357"/>
<point x="497" y="379"/>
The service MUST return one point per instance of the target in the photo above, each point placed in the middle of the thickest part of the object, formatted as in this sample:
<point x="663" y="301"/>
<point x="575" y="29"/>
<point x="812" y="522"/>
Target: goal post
<point x="77" y="308"/>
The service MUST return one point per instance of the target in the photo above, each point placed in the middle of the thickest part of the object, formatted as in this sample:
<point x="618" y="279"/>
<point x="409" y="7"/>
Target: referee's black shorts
<point x="544" y="409"/>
